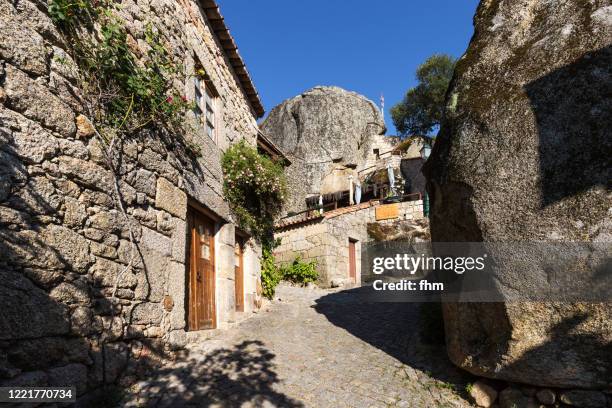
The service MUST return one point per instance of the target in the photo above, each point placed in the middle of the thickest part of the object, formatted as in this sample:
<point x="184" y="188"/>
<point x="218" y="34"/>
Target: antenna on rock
<point x="382" y="105"/>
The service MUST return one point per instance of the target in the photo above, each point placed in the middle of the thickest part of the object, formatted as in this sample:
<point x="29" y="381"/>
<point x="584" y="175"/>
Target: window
<point x="206" y="106"/>
<point x="377" y="153"/>
<point x="198" y="98"/>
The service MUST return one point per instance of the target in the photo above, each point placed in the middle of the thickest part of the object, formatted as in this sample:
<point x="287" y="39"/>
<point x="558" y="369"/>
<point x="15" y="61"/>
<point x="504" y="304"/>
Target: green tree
<point x="423" y="106"/>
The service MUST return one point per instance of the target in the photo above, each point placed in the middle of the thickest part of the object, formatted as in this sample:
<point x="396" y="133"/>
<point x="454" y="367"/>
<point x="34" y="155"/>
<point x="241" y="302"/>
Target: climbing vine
<point x="126" y="89"/>
<point x="123" y="93"/>
<point x="255" y="188"/>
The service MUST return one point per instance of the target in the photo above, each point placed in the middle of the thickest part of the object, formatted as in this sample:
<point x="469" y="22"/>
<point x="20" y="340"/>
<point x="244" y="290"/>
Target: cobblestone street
<point x="315" y="348"/>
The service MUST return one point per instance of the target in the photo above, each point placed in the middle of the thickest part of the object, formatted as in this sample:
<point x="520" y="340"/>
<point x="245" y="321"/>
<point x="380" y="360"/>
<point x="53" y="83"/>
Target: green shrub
<point x="255" y="188"/>
<point x="300" y="272"/>
<point x="270" y="273"/>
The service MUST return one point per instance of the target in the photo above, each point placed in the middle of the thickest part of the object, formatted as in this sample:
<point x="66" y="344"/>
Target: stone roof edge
<point x="217" y="24"/>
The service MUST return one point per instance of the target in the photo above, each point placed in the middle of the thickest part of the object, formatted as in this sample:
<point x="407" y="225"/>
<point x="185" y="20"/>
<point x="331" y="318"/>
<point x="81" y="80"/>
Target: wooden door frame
<point x="240" y="241"/>
<point x="193" y="212"/>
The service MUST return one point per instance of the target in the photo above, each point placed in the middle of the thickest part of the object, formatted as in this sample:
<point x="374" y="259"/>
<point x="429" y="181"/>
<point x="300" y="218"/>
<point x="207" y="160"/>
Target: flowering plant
<point x="255" y="188"/>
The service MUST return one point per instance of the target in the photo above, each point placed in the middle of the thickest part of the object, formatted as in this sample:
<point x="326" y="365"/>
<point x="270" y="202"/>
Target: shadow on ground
<point x="240" y="376"/>
<point x="413" y="333"/>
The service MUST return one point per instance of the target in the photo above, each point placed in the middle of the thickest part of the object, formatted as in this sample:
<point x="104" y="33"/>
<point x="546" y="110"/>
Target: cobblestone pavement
<point x="316" y="348"/>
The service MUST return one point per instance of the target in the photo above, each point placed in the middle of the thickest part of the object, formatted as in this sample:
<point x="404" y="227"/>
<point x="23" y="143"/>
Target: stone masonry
<point x="325" y="239"/>
<point x="63" y="241"/>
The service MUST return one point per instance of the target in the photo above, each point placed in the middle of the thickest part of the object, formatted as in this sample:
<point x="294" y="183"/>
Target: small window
<point x="377" y="153"/>
<point x="198" y="99"/>
<point x="206" y="106"/>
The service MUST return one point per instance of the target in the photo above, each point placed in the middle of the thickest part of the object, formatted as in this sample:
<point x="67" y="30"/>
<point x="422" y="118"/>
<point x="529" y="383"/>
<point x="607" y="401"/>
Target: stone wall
<point x="63" y="240"/>
<point x="384" y="144"/>
<point x="326" y="240"/>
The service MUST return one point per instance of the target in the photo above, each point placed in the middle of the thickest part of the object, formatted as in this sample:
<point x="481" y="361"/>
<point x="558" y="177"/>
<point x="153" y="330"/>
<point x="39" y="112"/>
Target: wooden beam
<point x="213" y="14"/>
<point x="224" y="35"/>
<point x="217" y="25"/>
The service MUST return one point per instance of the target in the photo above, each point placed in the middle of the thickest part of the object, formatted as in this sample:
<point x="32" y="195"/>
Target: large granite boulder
<point x="524" y="155"/>
<point x="323" y="129"/>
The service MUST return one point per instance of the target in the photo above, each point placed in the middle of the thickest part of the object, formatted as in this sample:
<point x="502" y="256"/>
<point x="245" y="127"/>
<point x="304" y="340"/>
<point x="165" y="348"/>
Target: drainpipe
<point x="351" y="200"/>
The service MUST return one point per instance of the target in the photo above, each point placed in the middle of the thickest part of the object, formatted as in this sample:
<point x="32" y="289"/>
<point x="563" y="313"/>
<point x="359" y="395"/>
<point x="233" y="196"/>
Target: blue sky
<point x="370" y="47"/>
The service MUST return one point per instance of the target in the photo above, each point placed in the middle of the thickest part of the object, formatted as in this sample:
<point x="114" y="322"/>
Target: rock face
<point x="322" y="129"/>
<point x="524" y="155"/>
<point x="483" y="394"/>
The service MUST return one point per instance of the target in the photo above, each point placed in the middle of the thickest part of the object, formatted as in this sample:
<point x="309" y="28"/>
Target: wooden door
<point x="352" y="265"/>
<point x="202" y="273"/>
<point x="239" y="274"/>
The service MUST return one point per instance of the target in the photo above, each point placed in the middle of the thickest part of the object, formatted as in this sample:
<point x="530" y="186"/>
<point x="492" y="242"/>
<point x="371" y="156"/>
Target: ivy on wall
<point x="271" y="274"/>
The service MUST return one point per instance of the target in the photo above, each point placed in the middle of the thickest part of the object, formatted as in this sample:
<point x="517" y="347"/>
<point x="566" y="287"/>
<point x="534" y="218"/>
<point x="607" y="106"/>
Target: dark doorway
<point x="352" y="260"/>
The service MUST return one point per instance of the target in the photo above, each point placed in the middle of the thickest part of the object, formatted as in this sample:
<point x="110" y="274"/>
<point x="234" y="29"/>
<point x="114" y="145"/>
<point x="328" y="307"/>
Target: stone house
<point x="334" y="227"/>
<point x="333" y="239"/>
<point x="338" y="187"/>
<point x="380" y="146"/>
<point x="404" y="156"/>
<point x="79" y="300"/>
